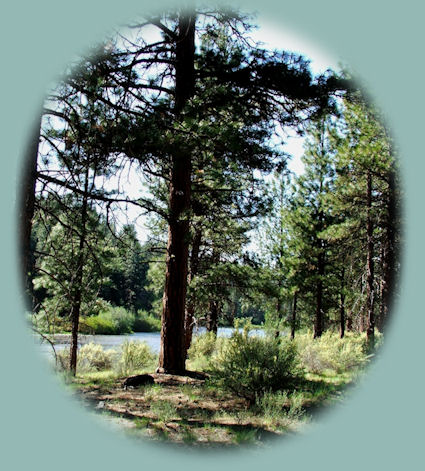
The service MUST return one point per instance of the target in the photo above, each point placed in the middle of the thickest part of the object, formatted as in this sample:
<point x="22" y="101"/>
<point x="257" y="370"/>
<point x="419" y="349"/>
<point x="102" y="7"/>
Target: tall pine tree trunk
<point x="172" y="356"/>
<point x="370" y="301"/>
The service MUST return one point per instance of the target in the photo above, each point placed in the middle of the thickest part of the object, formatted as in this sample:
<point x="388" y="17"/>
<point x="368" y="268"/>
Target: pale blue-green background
<point x="381" y="426"/>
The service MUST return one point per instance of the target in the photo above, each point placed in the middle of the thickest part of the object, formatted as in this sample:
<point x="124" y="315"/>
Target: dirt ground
<point x="178" y="409"/>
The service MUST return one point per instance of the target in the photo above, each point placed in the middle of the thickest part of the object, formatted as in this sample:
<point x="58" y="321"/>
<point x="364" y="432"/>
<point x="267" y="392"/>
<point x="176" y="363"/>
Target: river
<point x="114" y="341"/>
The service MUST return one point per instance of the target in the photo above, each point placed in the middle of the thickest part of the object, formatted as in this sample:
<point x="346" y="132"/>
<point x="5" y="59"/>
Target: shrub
<point x="134" y="356"/>
<point x="145" y="322"/>
<point x="114" y="320"/>
<point x="203" y="345"/>
<point x="252" y="366"/>
<point x="97" y="325"/>
<point x="203" y="349"/>
<point x="329" y="352"/>
<point x="272" y="404"/>
<point x="91" y="357"/>
<point x="121" y="318"/>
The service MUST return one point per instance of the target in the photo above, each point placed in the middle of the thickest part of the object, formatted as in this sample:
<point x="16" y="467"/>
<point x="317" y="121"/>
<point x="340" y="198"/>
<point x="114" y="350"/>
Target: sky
<point x="280" y="37"/>
<point x="272" y="37"/>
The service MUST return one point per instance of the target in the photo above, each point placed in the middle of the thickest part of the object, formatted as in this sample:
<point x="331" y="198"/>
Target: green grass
<point x="164" y="410"/>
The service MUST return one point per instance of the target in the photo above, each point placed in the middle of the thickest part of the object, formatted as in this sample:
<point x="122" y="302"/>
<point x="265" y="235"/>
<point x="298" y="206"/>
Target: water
<point x="153" y="339"/>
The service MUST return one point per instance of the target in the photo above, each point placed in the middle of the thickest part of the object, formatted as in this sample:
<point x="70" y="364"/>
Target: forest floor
<point x="192" y="412"/>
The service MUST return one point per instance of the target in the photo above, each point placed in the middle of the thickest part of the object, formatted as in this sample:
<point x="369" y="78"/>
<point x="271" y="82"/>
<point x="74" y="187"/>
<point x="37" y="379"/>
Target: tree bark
<point x="370" y="301"/>
<point x="77" y="287"/>
<point x="214" y="304"/>
<point x="278" y="304"/>
<point x="294" y="315"/>
<point x="172" y="356"/>
<point x="318" y="319"/>
<point x="342" y="305"/>
<point x="212" y="318"/>
<point x="349" y="321"/>
<point x="26" y="213"/>
<point x="190" y="309"/>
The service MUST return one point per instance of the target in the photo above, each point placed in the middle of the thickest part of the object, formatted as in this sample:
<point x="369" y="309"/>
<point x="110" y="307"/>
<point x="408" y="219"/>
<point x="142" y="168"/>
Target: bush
<point x="145" y="322"/>
<point x="252" y="366"/>
<point x="91" y="357"/>
<point x="329" y="352"/>
<point x="115" y="320"/>
<point x="97" y="325"/>
<point x="278" y="405"/>
<point x="134" y="356"/>
<point x="203" y="349"/>
<point x="122" y="319"/>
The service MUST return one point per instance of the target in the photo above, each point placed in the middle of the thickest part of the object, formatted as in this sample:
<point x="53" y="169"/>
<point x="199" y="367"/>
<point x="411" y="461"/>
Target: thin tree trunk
<point x="172" y="356"/>
<point x="280" y="261"/>
<point x="318" y="319"/>
<point x="342" y="305"/>
<point x="370" y="330"/>
<point x="278" y="309"/>
<point x="212" y="318"/>
<point x="214" y="304"/>
<point x="190" y="309"/>
<point x="27" y="207"/>
<point x="77" y="286"/>
<point x="294" y="315"/>
<point x="350" y="321"/>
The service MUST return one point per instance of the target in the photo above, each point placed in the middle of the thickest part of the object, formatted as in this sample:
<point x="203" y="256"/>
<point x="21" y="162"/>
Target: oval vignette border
<point x="42" y="426"/>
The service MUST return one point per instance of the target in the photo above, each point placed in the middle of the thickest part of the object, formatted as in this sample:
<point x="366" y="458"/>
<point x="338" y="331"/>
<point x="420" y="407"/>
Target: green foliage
<point x="204" y="349"/>
<point x="134" y="356"/>
<point x="329" y="352"/>
<point x="122" y="319"/>
<point x="203" y="345"/>
<point x="117" y="320"/>
<point x="146" y="322"/>
<point x="250" y="366"/>
<point x="97" y="325"/>
<point x="47" y="323"/>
